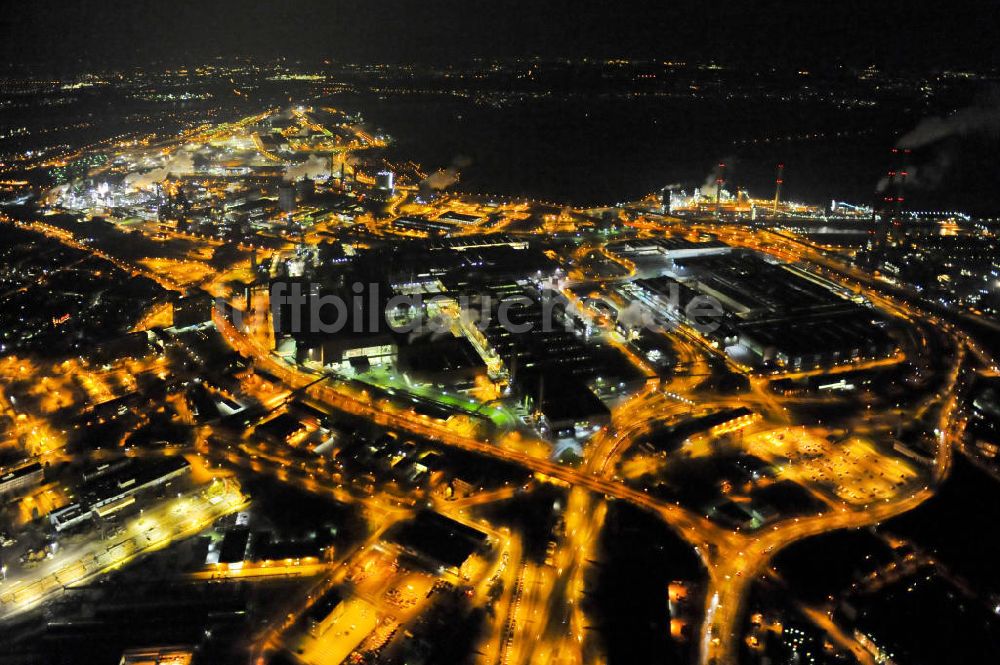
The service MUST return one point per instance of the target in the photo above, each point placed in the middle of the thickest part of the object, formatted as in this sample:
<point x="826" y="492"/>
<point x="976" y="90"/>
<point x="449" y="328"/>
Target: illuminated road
<point x="732" y="559"/>
<point x="539" y="618"/>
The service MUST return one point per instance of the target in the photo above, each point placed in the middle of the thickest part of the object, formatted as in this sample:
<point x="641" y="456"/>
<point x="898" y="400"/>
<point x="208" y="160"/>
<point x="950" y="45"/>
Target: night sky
<point x="891" y="33"/>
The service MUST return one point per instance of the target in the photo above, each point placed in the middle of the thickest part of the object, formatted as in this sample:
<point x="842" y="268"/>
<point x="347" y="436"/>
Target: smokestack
<point x="882" y="209"/>
<point x="720" y="180"/>
<point x="888" y="213"/>
<point x="777" y="188"/>
<point x="894" y="200"/>
<point x="897" y="215"/>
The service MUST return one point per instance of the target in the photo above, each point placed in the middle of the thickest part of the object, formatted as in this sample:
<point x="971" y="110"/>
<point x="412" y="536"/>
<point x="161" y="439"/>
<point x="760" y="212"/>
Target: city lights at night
<point x="499" y="334"/>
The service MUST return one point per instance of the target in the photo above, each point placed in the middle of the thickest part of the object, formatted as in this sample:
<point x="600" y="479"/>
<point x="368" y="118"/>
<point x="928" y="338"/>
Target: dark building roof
<point x="193" y="309"/>
<point x="280" y="428"/>
<point x="566" y="401"/>
<point x="130" y="345"/>
<point x="234" y="545"/>
<point x="441" y="357"/>
<point x="21" y="472"/>
<point x="324" y="605"/>
<point x="439" y="538"/>
<point x="129" y="477"/>
<point x="451" y="215"/>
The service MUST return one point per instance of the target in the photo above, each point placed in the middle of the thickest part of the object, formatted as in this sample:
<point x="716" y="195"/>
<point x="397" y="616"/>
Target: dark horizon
<point x="499" y="333"/>
<point x="894" y="35"/>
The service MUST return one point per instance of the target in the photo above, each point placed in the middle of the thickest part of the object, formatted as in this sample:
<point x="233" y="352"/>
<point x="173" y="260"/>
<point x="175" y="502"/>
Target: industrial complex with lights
<point x="272" y="391"/>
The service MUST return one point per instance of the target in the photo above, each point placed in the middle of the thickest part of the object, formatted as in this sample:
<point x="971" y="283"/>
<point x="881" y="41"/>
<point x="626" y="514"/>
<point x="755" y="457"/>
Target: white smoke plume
<point x="930" y="134"/>
<point x="709" y="186"/>
<point x="317" y="167"/>
<point x="55" y="195"/>
<point x="971" y="120"/>
<point x="178" y="163"/>
<point x="441" y="179"/>
<point x="930" y="174"/>
<point x="444" y="178"/>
